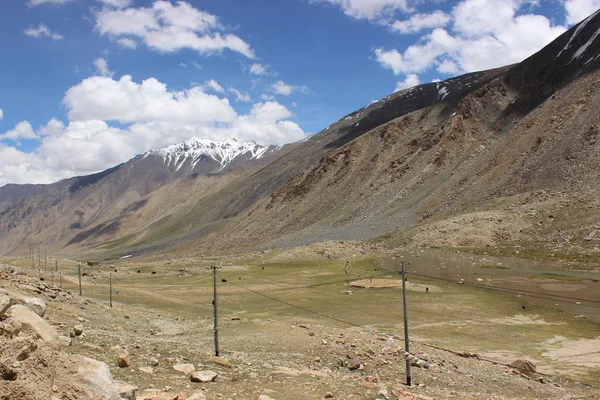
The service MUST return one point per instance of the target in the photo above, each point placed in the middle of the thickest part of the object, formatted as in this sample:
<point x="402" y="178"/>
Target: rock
<point x="33" y="324"/>
<point x="26" y="351"/>
<point x="154" y="362"/>
<point x="93" y="379"/>
<point x="524" y="366"/>
<point x="123" y="359"/>
<point x="265" y="397"/>
<point x="35" y="304"/>
<point x="185" y="368"/>
<point x="147" y="370"/>
<point x="4" y="304"/>
<point x="197" y="396"/>
<point x="126" y="390"/>
<point x="221" y="361"/>
<point x="383" y="394"/>
<point x="354" y="364"/>
<point x="329" y="395"/>
<point x="78" y="329"/>
<point x="65" y="341"/>
<point x="203" y="376"/>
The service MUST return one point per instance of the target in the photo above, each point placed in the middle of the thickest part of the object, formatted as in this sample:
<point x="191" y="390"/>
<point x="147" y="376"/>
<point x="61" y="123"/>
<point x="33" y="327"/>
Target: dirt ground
<point x="287" y="330"/>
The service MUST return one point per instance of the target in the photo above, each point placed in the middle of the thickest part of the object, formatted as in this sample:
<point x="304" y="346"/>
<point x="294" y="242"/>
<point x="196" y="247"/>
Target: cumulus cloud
<point x="484" y="34"/>
<point x="370" y="9"/>
<point x="410" y="81"/>
<point x="258" y="69"/>
<point x="22" y="130"/>
<point x="165" y="27"/>
<point x="42" y="31"/>
<point x="418" y="22"/>
<point x="280" y="87"/>
<point x="578" y="10"/>
<point x="152" y="116"/>
<point x="102" y="67"/>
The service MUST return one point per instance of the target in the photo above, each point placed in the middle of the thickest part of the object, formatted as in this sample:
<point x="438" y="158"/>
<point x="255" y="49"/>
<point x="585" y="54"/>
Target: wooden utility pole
<point x="79" y="272"/>
<point x="406" y="341"/>
<point x="110" y="288"/>
<point x="45" y="261"/>
<point x="56" y="264"/>
<point x="346" y="272"/>
<point x="216" y="326"/>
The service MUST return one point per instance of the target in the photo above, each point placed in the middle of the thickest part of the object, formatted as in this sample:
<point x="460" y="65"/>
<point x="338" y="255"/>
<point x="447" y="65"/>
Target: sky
<point x="88" y="84"/>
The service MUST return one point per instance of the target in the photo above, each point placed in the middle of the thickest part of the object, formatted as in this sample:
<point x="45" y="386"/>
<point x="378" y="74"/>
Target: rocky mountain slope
<point x="74" y="211"/>
<point x="505" y="156"/>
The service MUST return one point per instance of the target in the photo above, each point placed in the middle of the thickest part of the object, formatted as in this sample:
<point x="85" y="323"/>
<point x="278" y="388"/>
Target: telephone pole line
<point x="216" y="316"/>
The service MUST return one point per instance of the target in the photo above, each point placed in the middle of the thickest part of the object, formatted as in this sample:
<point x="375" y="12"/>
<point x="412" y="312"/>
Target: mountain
<point x="78" y="209"/>
<point x="505" y="157"/>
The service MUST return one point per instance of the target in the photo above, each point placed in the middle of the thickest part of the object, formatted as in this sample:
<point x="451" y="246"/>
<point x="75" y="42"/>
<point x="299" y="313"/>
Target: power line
<point x="514" y="291"/>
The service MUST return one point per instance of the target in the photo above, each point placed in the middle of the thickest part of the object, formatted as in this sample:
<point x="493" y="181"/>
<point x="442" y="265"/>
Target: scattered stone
<point x="123" y="359"/>
<point x="147" y="370"/>
<point x="524" y="366"/>
<point x="265" y="397"/>
<point x="203" y="376"/>
<point x="4" y="304"/>
<point x="329" y="395"/>
<point x="197" y="396"/>
<point x="185" y="368"/>
<point x="126" y="390"/>
<point x="354" y="364"/>
<point x="65" y="341"/>
<point x="93" y="379"/>
<point x="78" y="329"/>
<point x="220" y="361"/>
<point x="154" y="362"/>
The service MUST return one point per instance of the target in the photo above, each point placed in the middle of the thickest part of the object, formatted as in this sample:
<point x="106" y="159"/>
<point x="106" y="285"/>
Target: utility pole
<point x="406" y="342"/>
<point x="346" y="272"/>
<point x="79" y="272"/>
<point x="39" y="257"/>
<point x="56" y="264"/>
<point x="45" y="261"/>
<point x="216" y="328"/>
<point x="110" y="288"/>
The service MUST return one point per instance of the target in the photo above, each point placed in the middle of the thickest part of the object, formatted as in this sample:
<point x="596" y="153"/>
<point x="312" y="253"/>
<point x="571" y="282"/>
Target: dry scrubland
<point x="288" y="330"/>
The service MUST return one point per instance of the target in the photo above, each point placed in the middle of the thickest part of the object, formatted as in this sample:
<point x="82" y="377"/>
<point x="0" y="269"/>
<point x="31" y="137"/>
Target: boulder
<point x="126" y="390"/>
<point x="354" y="364"/>
<point x="36" y="304"/>
<point x="78" y="329"/>
<point x="33" y="324"/>
<point x="65" y="341"/>
<point x="4" y="304"/>
<point x="203" y="376"/>
<point x="92" y="379"/>
<point x="524" y="366"/>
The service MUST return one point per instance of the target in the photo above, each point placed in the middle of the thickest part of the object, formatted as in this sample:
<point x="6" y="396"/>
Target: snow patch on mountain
<point x="223" y="152"/>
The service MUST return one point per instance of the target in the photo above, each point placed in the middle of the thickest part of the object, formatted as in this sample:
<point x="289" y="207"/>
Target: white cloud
<point x="116" y="3"/>
<point x="168" y="28"/>
<point x="267" y="97"/>
<point x="156" y="117"/>
<point x="127" y="43"/>
<point x="102" y="67"/>
<point x="1" y="114"/>
<point x="484" y="34"/>
<point x="33" y="3"/>
<point x="214" y="85"/>
<point x="410" y="81"/>
<point x="258" y="69"/>
<point x="196" y="65"/>
<point x="418" y="22"/>
<point x="280" y="87"/>
<point x="243" y="97"/>
<point x="183" y="65"/>
<point x="22" y="130"/>
<point x="102" y="98"/>
<point x="42" y="30"/>
<point x="369" y="9"/>
<point x="578" y="10"/>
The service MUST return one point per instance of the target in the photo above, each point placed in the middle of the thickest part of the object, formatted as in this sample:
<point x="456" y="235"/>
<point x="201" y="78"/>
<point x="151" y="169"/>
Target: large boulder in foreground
<point x="85" y="378"/>
<point x="32" y="324"/>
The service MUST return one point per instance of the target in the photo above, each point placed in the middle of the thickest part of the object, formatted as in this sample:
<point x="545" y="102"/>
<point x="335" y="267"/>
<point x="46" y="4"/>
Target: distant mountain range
<point x="505" y="157"/>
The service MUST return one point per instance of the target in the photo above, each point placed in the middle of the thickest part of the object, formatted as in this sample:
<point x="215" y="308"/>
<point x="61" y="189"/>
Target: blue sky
<point x="87" y="84"/>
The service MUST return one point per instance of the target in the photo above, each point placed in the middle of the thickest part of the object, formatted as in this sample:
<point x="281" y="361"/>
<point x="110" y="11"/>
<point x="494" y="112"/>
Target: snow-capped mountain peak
<point x="222" y="151"/>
